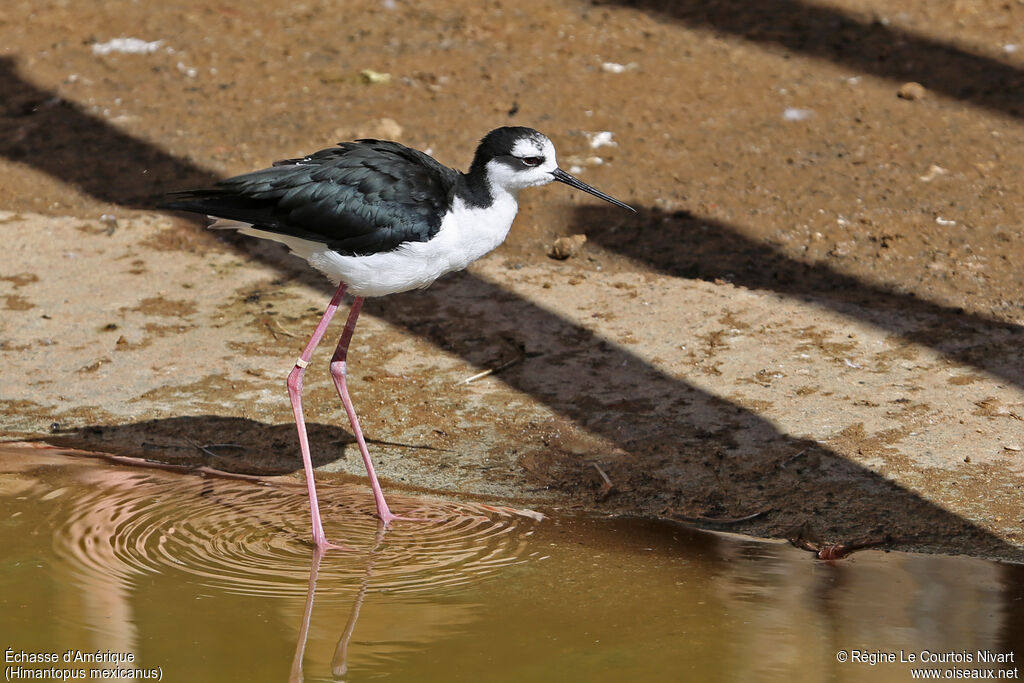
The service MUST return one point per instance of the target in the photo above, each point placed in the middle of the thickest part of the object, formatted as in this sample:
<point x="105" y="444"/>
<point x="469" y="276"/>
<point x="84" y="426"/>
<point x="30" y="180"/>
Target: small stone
<point x="566" y="247"/>
<point x="110" y="222"/>
<point x="377" y="129"/>
<point x="375" y="77"/>
<point x="934" y="172"/>
<point x="386" y="129"/>
<point x="912" y="91"/>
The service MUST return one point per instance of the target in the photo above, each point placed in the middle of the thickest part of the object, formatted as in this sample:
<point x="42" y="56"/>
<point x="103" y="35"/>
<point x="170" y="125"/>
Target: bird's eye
<point x="532" y="161"/>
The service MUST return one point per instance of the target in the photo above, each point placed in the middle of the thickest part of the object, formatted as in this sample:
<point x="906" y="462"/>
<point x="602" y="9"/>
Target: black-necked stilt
<point x="377" y="217"/>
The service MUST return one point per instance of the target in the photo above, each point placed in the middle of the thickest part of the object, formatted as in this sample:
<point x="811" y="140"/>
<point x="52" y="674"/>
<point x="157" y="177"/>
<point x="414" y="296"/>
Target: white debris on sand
<point x="134" y="46"/>
<point x="794" y="114"/>
<point x="616" y="68"/>
<point x="934" y="172"/>
<point x="601" y="138"/>
<point x="189" y="71"/>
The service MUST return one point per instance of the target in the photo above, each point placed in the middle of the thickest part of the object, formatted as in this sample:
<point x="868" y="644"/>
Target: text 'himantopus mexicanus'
<point x="377" y="217"/>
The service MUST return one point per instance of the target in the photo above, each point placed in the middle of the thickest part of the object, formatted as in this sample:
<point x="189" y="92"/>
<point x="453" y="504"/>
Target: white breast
<point x="465" y="235"/>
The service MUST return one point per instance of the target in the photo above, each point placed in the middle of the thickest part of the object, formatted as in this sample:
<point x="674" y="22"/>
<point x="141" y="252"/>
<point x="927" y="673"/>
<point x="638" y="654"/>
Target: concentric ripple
<point x="251" y="537"/>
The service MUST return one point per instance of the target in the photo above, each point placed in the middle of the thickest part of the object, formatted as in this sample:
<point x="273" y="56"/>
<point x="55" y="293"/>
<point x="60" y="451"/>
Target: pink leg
<point x="338" y="372"/>
<point x="295" y="394"/>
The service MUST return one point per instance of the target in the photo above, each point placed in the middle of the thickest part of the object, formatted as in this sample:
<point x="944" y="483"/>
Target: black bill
<point x="563" y="177"/>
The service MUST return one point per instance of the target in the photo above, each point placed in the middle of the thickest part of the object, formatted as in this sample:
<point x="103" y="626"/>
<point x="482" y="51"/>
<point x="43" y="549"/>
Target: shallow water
<point x="211" y="579"/>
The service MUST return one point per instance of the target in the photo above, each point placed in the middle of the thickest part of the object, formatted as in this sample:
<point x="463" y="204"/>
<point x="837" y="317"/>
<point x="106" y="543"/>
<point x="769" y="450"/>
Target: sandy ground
<point x="813" y="321"/>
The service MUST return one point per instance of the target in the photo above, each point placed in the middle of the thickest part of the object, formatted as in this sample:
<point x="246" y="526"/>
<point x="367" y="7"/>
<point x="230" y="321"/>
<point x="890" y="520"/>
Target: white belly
<point x="465" y="235"/>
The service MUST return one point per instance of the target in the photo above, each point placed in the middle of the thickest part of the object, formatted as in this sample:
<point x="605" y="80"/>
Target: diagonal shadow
<point x="693" y="459"/>
<point x="687" y="446"/>
<point x="867" y="45"/>
<point x="685" y="245"/>
<point x="58" y="137"/>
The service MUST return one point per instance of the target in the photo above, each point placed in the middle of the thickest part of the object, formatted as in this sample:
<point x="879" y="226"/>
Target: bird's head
<point x="514" y="158"/>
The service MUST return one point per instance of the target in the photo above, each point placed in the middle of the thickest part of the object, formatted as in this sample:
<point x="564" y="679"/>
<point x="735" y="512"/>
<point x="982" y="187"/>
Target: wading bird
<point x="377" y="218"/>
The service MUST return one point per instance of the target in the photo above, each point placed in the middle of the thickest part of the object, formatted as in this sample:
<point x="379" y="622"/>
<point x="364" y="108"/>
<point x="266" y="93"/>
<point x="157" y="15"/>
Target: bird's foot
<point x="387" y="518"/>
<point x="323" y="545"/>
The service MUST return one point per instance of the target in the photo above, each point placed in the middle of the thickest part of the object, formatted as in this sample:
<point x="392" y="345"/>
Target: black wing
<point x="358" y="198"/>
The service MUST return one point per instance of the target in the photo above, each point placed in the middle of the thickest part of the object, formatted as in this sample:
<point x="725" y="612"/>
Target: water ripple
<point x="251" y="538"/>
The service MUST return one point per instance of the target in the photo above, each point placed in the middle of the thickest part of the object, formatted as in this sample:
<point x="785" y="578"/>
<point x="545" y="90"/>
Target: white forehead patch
<point x="549" y="152"/>
<point x="531" y="147"/>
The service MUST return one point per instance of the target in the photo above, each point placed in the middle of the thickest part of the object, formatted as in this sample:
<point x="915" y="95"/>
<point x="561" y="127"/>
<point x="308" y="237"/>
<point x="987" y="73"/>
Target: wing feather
<point x="358" y="198"/>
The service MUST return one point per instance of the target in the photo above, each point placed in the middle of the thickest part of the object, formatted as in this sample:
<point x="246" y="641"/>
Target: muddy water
<point x="209" y="579"/>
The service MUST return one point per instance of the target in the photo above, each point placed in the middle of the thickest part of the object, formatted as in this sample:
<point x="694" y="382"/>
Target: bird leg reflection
<point x="339" y="662"/>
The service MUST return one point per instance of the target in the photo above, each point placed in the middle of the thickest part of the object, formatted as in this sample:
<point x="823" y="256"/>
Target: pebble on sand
<point x="566" y="247"/>
<point x="912" y="91"/>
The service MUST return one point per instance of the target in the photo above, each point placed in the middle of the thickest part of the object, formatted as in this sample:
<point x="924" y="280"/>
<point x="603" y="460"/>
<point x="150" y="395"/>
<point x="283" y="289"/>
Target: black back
<point x="358" y="198"/>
